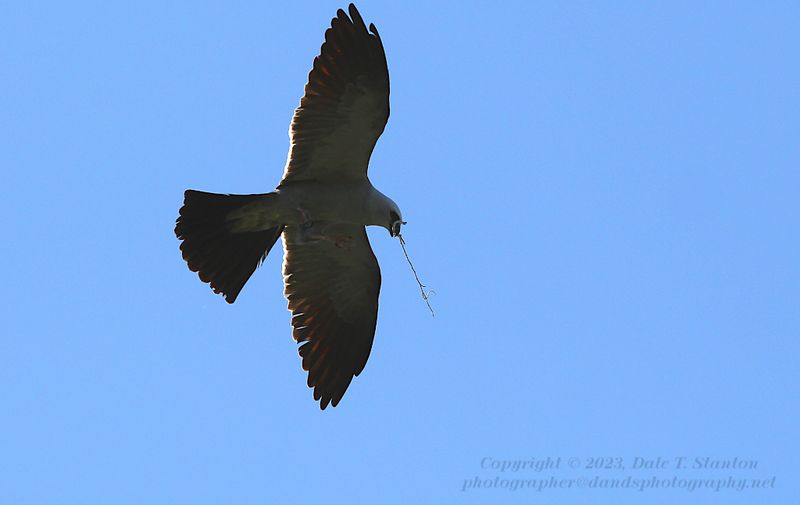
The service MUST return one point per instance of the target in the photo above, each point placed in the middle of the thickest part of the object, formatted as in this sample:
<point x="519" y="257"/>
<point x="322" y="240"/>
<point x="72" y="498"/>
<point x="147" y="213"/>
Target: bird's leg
<point x="341" y="241"/>
<point x="314" y="232"/>
<point x="306" y="222"/>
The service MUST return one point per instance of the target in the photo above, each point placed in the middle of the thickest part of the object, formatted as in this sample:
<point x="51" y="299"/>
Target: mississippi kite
<point x="320" y="208"/>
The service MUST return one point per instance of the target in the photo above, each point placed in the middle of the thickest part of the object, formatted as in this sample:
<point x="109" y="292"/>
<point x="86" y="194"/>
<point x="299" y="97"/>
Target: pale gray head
<point x="384" y="212"/>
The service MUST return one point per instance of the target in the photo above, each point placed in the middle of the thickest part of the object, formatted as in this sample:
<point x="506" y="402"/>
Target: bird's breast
<point x="337" y="202"/>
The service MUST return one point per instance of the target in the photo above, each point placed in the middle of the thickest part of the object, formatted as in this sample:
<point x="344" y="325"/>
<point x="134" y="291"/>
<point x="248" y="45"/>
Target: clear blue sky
<point x="604" y="196"/>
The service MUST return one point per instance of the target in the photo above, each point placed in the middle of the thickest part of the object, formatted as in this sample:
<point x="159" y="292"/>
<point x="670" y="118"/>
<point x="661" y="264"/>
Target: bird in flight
<point x="321" y="208"/>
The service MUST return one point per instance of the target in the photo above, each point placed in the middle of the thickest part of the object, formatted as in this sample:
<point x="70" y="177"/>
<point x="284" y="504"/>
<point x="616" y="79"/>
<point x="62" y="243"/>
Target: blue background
<point x="603" y="196"/>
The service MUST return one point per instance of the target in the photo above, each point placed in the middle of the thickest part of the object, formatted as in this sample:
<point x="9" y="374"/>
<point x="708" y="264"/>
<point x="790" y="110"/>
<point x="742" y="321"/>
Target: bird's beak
<point x="395" y="230"/>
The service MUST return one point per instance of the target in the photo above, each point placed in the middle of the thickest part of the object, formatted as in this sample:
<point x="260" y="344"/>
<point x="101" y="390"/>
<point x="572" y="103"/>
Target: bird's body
<point x="350" y="201"/>
<point x="320" y="208"/>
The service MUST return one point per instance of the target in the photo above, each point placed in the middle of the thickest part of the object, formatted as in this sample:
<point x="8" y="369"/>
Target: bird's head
<point x="395" y="221"/>
<point x="384" y="212"/>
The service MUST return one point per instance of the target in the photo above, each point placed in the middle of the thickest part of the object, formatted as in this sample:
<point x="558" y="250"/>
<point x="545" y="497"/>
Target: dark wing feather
<point x="333" y="295"/>
<point x="345" y="106"/>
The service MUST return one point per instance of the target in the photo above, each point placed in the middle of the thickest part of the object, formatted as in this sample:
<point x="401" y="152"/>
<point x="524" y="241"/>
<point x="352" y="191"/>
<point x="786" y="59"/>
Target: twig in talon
<point x="425" y="295"/>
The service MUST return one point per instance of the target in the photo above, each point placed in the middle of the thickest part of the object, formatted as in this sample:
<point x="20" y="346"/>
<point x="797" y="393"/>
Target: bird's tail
<point x="220" y="243"/>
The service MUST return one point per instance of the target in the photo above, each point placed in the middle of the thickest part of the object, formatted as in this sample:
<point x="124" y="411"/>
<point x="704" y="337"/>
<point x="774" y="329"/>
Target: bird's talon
<point x="343" y="241"/>
<point x="306" y="221"/>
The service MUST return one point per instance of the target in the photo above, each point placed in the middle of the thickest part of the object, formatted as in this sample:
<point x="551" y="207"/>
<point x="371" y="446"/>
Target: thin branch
<point x="422" y="286"/>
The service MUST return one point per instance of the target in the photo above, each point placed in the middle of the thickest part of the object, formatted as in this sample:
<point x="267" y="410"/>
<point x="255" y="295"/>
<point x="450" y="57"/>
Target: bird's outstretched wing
<point x="332" y="288"/>
<point x="345" y="106"/>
